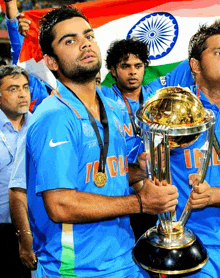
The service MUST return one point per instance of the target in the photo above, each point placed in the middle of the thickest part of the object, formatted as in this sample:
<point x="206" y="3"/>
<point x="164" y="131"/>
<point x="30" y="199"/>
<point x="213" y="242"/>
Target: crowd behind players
<point x="124" y="55"/>
<point x="24" y="5"/>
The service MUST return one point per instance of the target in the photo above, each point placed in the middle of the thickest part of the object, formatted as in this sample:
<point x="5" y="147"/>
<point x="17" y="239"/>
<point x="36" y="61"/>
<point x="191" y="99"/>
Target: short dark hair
<point x="120" y="50"/>
<point x="12" y="70"/>
<point x="197" y="43"/>
<point x="49" y="20"/>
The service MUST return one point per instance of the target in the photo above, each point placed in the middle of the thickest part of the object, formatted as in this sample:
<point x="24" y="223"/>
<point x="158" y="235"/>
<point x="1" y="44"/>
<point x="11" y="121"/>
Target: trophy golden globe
<point x="173" y="117"/>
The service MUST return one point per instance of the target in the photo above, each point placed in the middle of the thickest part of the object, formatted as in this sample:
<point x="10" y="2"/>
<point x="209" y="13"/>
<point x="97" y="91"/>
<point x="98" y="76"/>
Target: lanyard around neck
<point x="104" y="122"/>
<point x="136" y="129"/>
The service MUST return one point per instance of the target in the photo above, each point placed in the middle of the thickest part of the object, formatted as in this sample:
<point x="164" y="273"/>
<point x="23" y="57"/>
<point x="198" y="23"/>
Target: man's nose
<point x="23" y="92"/>
<point x="132" y="71"/>
<point x="85" y="43"/>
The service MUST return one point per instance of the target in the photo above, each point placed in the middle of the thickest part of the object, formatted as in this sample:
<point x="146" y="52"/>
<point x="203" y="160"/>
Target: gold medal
<point x="100" y="179"/>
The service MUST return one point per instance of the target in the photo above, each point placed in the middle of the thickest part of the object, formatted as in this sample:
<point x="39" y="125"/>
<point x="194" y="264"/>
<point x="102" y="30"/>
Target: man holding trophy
<point x="204" y="58"/>
<point x="193" y="177"/>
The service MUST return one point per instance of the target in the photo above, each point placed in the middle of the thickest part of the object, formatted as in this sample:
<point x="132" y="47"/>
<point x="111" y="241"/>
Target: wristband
<point x="19" y="232"/>
<point x="7" y="0"/>
<point x="140" y="202"/>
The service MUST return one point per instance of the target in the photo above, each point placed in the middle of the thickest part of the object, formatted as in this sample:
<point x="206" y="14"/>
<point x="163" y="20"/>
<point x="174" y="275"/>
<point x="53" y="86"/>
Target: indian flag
<point x="165" y="25"/>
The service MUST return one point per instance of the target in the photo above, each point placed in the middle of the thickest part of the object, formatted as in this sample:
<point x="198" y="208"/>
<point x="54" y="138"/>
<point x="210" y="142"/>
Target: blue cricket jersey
<point x="100" y="249"/>
<point x="131" y="139"/>
<point x="205" y="221"/>
<point x="181" y="76"/>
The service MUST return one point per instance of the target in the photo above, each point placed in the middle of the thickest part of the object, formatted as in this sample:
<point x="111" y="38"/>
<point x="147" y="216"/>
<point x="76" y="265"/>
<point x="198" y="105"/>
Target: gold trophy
<point x="173" y="117"/>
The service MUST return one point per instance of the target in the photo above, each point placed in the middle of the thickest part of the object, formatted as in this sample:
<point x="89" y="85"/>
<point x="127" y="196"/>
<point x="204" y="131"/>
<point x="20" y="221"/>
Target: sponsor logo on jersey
<point x="87" y="130"/>
<point x="55" y="144"/>
<point x="163" y="80"/>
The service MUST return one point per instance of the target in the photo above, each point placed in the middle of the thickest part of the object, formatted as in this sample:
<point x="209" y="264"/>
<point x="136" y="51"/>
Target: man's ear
<point x="195" y="65"/>
<point x="51" y="62"/>
<point x="113" y="71"/>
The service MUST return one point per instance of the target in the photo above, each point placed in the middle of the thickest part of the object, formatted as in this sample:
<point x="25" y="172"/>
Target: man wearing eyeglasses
<point x="14" y="118"/>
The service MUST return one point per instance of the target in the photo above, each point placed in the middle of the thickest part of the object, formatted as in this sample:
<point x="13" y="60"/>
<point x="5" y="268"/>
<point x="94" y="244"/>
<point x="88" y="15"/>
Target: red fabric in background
<point x="98" y="12"/>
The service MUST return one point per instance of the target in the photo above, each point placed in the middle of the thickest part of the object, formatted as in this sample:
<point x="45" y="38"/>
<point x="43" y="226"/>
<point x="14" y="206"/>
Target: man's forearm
<point x="19" y="215"/>
<point x="72" y="206"/>
<point x="11" y="8"/>
<point x="18" y="209"/>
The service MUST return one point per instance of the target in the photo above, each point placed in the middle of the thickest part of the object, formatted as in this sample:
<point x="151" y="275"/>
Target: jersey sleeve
<point x="39" y="92"/>
<point x="180" y="76"/>
<point x="16" y="39"/>
<point x="108" y="92"/>
<point x="18" y="177"/>
<point x="52" y="146"/>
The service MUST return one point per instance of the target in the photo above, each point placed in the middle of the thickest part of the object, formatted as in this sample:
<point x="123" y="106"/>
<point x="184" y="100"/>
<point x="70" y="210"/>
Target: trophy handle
<point x="155" y="169"/>
<point x="216" y="145"/>
<point x="201" y="171"/>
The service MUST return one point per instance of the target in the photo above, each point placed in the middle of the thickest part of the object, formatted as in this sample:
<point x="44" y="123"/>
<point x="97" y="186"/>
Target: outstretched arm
<point x="11" y="8"/>
<point x="16" y="39"/>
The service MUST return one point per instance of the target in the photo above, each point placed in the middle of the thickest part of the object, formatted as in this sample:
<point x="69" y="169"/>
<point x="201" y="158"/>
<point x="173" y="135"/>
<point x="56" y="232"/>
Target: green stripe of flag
<point x="151" y="73"/>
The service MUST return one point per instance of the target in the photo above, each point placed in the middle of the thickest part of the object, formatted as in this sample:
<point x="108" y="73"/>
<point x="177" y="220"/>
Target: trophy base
<point x="177" y="252"/>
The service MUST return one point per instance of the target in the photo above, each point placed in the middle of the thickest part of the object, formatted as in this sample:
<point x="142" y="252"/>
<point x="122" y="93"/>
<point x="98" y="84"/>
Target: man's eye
<point x="26" y="88"/>
<point x="124" y="66"/>
<point x="69" y="42"/>
<point x="12" y="90"/>
<point x="90" y="37"/>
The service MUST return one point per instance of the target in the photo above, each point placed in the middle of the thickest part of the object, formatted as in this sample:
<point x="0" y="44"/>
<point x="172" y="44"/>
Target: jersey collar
<point x="69" y="97"/>
<point x="118" y="92"/>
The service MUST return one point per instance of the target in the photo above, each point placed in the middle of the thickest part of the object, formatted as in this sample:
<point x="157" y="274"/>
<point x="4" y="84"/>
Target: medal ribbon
<point x="136" y="129"/>
<point x="104" y="122"/>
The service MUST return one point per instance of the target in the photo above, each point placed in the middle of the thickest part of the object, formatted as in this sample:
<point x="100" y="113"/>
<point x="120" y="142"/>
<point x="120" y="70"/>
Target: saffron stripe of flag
<point x="166" y="26"/>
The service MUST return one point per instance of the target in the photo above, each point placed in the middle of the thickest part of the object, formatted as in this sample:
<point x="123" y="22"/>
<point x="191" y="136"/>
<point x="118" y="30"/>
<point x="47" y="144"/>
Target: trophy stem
<point x="162" y="217"/>
<point x="185" y="215"/>
<point x="201" y="171"/>
<point x="167" y="173"/>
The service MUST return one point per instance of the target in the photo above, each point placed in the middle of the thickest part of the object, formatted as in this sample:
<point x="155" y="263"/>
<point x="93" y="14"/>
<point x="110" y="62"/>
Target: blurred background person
<point x="14" y="118"/>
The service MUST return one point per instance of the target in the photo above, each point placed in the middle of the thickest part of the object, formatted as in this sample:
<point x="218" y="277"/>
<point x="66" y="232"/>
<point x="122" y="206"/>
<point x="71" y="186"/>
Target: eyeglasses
<point x="18" y="89"/>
